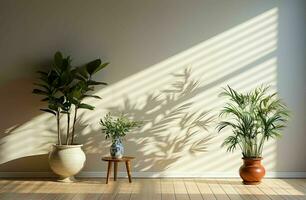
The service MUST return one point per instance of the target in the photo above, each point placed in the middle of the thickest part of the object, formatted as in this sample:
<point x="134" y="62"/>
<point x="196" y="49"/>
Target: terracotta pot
<point x="252" y="171"/>
<point x="66" y="161"/>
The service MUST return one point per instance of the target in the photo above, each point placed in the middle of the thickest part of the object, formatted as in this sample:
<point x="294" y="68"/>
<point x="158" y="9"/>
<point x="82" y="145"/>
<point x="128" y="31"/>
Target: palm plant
<point x="254" y="118"/>
<point x="65" y="87"/>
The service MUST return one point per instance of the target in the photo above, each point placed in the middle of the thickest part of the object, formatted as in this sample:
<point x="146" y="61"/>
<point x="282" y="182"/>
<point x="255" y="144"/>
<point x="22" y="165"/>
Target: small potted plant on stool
<point x="116" y="128"/>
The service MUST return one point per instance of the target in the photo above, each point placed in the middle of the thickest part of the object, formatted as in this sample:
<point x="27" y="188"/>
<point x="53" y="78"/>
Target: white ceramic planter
<point x="66" y="161"/>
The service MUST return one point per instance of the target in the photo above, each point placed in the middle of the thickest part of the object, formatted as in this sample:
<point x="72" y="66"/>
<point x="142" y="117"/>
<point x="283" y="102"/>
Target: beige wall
<point x="157" y="51"/>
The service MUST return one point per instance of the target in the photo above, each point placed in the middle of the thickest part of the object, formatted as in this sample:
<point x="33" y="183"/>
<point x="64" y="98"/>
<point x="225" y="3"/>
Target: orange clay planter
<point x="252" y="171"/>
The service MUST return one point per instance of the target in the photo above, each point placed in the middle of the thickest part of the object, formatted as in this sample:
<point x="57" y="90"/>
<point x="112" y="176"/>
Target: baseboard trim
<point x="87" y="174"/>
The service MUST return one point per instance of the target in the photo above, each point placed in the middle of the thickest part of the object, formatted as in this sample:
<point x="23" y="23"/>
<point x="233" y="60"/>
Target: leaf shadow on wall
<point x="171" y="128"/>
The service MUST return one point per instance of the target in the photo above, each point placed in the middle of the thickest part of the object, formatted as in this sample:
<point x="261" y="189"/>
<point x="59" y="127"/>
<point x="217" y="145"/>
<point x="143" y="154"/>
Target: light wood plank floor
<point x="152" y="189"/>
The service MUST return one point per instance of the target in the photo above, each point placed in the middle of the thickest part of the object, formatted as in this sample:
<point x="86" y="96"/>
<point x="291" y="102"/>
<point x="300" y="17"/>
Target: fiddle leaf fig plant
<point x="64" y="88"/>
<point x="254" y="118"/>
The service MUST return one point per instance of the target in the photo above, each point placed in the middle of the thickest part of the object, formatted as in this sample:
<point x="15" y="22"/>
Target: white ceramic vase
<point x="66" y="161"/>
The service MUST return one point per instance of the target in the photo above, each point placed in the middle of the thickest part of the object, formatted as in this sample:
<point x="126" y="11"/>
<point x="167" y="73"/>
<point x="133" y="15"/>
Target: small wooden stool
<point x="110" y="160"/>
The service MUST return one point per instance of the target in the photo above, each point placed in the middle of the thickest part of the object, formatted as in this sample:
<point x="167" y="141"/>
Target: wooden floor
<point x="149" y="189"/>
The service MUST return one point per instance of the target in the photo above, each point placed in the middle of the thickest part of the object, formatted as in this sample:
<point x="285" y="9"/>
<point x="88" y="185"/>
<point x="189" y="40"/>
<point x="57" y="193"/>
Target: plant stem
<point x="240" y="147"/>
<point x="58" y="128"/>
<point x="68" y="128"/>
<point x="261" y="145"/>
<point x="73" y="125"/>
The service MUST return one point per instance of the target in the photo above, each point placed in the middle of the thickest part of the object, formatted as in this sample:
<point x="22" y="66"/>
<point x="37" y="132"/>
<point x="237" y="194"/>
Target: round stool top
<point x="123" y="159"/>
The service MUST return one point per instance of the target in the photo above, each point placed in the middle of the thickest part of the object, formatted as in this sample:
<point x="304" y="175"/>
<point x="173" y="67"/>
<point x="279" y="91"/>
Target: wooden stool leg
<point x="128" y="170"/>
<point x="115" y="170"/>
<point x="109" y="169"/>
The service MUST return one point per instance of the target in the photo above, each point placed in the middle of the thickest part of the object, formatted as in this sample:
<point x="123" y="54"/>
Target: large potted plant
<point x="254" y="118"/>
<point x="116" y="128"/>
<point x="64" y="88"/>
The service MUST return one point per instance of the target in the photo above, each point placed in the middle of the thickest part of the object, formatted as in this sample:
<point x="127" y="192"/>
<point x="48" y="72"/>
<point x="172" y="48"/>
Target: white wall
<point x="149" y="44"/>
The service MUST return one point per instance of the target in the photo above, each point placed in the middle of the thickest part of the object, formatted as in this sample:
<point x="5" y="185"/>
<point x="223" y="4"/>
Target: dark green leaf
<point x="65" y="112"/>
<point x="93" y="66"/>
<point x="93" y="96"/>
<point x="66" y="78"/>
<point x="40" y="92"/>
<point x="58" y="59"/>
<point x="100" y="67"/>
<point x="45" y="99"/>
<point x="80" y="77"/>
<point x="91" y="82"/>
<point x="52" y="107"/>
<point x="75" y="101"/>
<point x="49" y="111"/>
<point x="86" y="106"/>
<point x="66" y="64"/>
<point x="83" y="72"/>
